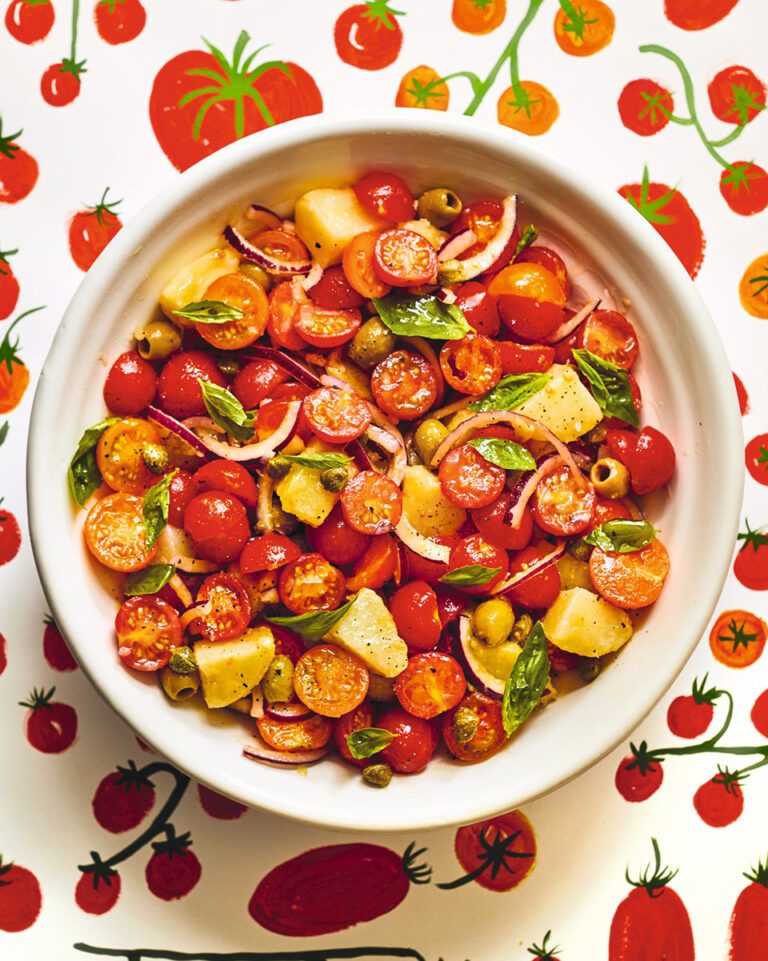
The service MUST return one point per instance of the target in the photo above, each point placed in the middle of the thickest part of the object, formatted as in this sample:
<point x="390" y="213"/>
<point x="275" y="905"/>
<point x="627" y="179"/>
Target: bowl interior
<point x="686" y="387"/>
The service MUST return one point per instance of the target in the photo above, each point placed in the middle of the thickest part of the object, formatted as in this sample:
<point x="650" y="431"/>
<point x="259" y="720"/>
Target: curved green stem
<point x="473" y="78"/>
<point x="682" y="121"/>
<point x="75" y="18"/>
<point x="728" y="718"/>
<point x="733" y="135"/>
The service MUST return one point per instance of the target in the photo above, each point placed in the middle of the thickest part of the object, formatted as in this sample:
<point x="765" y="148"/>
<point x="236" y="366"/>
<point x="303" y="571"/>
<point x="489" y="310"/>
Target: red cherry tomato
<point x="379" y="565"/>
<point x="449" y="607"/>
<point x="562" y="506"/>
<point x="610" y="511"/>
<point x="310" y="583"/>
<point x="178" y="389"/>
<point x="529" y="299"/>
<point x="218" y="525"/>
<point x="130" y="385"/>
<point x="649" y="456"/>
<point x="478" y="307"/>
<point x="386" y="195"/>
<point x="272" y="411"/>
<point x="336" y="540"/>
<point x="60" y="84"/>
<point x="471" y="365"/>
<point x="239" y="291"/>
<point x="330" y="681"/>
<point x="256" y="381"/>
<point x="609" y="335"/>
<point x="283" y="248"/>
<point x="347" y="724"/>
<point x="404" y="258"/>
<point x="227" y="476"/>
<point x="336" y="416"/>
<point x="334" y="292"/>
<point x="413" y="745"/>
<point x="230" y="612"/>
<point x="551" y="259"/>
<point x="491" y="522"/>
<point x="324" y="328"/>
<point x="483" y="218"/>
<point x="417" y="618"/>
<point x="541" y="590"/>
<point x="468" y="479"/>
<point x="147" y="629"/>
<point x="431" y="684"/>
<point x="404" y="385"/>
<point x="489" y="736"/>
<point x="476" y="550"/>
<point x="268" y="552"/>
<point x="524" y="358"/>
<point x="284" y="305"/>
<point x="421" y="569"/>
<point x="29" y="22"/>
<point x="359" y="267"/>
<point x="372" y="503"/>
<point x="181" y="491"/>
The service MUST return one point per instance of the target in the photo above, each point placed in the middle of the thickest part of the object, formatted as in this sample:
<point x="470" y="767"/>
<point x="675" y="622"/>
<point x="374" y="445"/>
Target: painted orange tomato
<point x="529" y="107"/>
<point x="478" y="16"/>
<point x="753" y="288"/>
<point x="422" y="87"/>
<point x="737" y="638"/>
<point x="586" y="30"/>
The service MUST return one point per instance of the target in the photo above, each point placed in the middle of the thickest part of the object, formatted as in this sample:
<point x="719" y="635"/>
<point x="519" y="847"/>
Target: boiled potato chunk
<point x="229" y="670"/>
<point x="368" y="630"/>
<point x="574" y="573"/>
<point x="427" y="230"/>
<point x="425" y="505"/>
<point x="583" y="623"/>
<point x="302" y="494"/>
<point x="189" y="285"/>
<point x="328" y="218"/>
<point x="564" y="405"/>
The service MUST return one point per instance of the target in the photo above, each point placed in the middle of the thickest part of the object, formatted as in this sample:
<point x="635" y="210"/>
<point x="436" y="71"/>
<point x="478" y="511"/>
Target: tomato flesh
<point x="562" y="506"/>
<point x="403" y="258"/>
<point x="476" y="550"/>
<point x="540" y="591"/>
<point x="310" y="734"/>
<point x="119" y="455"/>
<point x="310" y="583"/>
<point x="330" y="681"/>
<point x="147" y="629"/>
<point x="285" y="302"/>
<point x="551" y="260"/>
<point x="327" y="328"/>
<point x="284" y="249"/>
<point x="471" y="365"/>
<point x="372" y="503"/>
<point x="236" y="290"/>
<point x="483" y="218"/>
<point x="631" y="580"/>
<point x="415" y="609"/>
<point x="359" y="266"/>
<point x="468" y="479"/>
<point x="230" y="607"/>
<point x="268" y="552"/>
<point x="115" y="533"/>
<point x="336" y="416"/>
<point x="334" y="292"/>
<point x="404" y="385"/>
<point x="431" y="684"/>
<point x="524" y="358"/>
<point x="379" y="564"/>
<point x="609" y="335"/>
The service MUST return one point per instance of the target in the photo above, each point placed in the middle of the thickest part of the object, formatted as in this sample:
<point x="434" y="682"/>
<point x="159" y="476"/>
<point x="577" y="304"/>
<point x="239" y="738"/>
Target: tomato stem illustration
<point x="103" y="207"/>
<point x="494" y="857"/>
<point x="321" y="954"/>
<point x="9" y="351"/>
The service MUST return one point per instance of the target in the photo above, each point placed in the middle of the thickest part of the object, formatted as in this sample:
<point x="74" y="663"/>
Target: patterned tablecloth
<point x="662" y="100"/>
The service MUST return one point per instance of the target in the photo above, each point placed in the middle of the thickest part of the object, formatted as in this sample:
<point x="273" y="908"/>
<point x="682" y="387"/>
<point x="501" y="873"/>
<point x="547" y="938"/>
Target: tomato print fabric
<point x="106" y="849"/>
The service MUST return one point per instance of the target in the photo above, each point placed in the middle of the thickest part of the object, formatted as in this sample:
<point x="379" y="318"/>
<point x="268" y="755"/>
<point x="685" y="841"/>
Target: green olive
<point x="155" y="457"/>
<point x="579" y="549"/>
<point x="371" y="344"/>
<point x="179" y="687"/>
<point x="278" y="467"/>
<point x="278" y="681"/>
<point x="182" y="660"/>
<point x="334" y="478"/>
<point x="258" y="274"/>
<point x="157" y="340"/>
<point x="377" y="775"/>
<point x="440" y="206"/>
<point x="610" y="478"/>
<point x="523" y="627"/>
<point x="464" y="724"/>
<point x="428" y="437"/>
<point x="493" y="621"/>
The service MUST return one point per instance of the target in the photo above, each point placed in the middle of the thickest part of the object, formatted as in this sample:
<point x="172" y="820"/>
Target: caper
<point x="579" y="549"/>
<point x="378" y="775"/>
<point x="464" y="724"/>
<point x="521" y="630"/>
<point x="428" y="437"/>
<point x="182" y="660"/>
<point x="278" y="467"/>
<point x="155" y="458"/>
<point x="440" y="206"/>
<point x="334" y="478"/>
<point x="256" y="273"/>
<point x="179" y="687"/>
<point x="157" y="339"/>
<point x="278" y="681"/>
<point x="597" y="434"/>
<point x="371" y="344"/>
<point x="589" y="668"/>
<point x="493" y="621"/>
<point x="228" y="366"/>
<point x="610" y="478"/>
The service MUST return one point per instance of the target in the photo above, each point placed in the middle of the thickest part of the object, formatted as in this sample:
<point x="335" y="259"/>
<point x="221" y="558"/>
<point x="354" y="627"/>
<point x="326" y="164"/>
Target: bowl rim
<point x="725" y="424"/>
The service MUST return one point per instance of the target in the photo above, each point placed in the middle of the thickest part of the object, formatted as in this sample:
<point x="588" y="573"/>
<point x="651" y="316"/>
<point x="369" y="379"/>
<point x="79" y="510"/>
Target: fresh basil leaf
<point x="410" y="316"/>
<point x="155" y="509"/>
<point x="526" y="681"/>
<point x="312" y="626"/>
<point x="510" y="392"/>
<point x="226" y="410"/>
<point x="84" y="475"/>
<point x="472" y="575"/>
<point x="529" y="235"/>
<point x="319" y="460"/>
<point x="209" y="312"/>
<point x="610" y="386"/>
<point x="504" y="453"/>
<point x="622" y="536"/>
<point x="368" y="741"/>
<point x="148" y="581"/>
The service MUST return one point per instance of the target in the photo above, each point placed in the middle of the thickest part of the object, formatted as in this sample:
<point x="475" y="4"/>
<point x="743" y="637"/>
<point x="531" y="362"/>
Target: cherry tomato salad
<point x="372" y="477"/>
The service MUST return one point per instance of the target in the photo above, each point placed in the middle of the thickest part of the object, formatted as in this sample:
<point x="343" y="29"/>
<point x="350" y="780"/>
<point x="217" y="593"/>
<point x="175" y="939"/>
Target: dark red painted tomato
<point x="748" y="929"/>
<point x="20" y="898"/>
<point x="414" y="606"/>
<point x="651" y="922"/>
<point x="756" y="457"/>
<point x="229" y="477"/>
<point x="689" y="717"/>
<point x="637" y="778"/>
<point x="90" y="231"/>
<point x="51" y="726"/>
<point x="10" y="535"/>
<point x="386" y="195"/>
<point x="29" y="21"/>
<point x="368" y="36"/>
<point x="219" y="807"/>
<point x="179" y="393"/>
<point x="414" y="742"/>
<point x="256" y="381"/>
<point x="337" y="540"/>
<point x="478" y="307"/>
<point x="123" y="799"/>
<point x="741" y="394"/>
<point x="334" y="292"/>
<point x="719" y="801"/>
<point x="498" y="853"/>
<point x="98" y="891"/>
<point x="130" y="385"/>
<point x="173" y="870"/>
<point x="55" y="649"/>
<point x="356" y="720"/>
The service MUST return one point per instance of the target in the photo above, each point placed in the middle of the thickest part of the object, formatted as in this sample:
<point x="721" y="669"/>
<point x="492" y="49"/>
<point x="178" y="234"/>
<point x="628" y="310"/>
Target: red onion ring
<point x="456" y="271"/>
<point x="289" y="364"/>
<point x="170" y="423"/>
<point x="492" y="686"/>
<point x="263" y="217"/>
<point x="359" y="455"/>
<point x="536" y="568"/>
<point x="250" y="252"/>
<point x="394" y="445"/>
<point x="313" y="277"/>
<point x="264" y="503"/>
<point x="446" y="295"/>
<point x="258" y="751"/>
<point x="257" y="703"/>
<point x="287" y="711"/>
<point x="420" y="544"/>
<point x="456" y="245"/>
<point x="261" y="450"/>
<point x="568" y="326"/>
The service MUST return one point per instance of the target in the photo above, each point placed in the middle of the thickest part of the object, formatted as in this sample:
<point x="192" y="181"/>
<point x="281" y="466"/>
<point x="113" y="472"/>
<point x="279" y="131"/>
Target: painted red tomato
<point x="194" y="114"/>
<point x="645" y="107"/>
<point x="741" y="393"/>
<point x="219" y="807"/>
<point x="748" y="929"/>
<point x="638" y="776"/>
<point x="368" y="36"/>
<point x="3" y="654"/>
<point x="719" y="801"/>
<point x="751" y="562"/>
<point x="497" y="854"/>
<point x="173" y="870"/>
<point x="119" y="21"/>
<point x="90" y="231"/>
<point x="759" y="713"/>
<point x="18" y="169"/>
<point x="9" y="285"/>
<point x="55" y="648"/>
<point x="697" y="14"/>
<point x="60" y="84"/>
<point x="29" y="21"/>
<point x="20" y="898"/>
<point x="688" y="716"/>
<point x="123" y="799"/>
<point x="745" y="188"/>
<point x="51" y="726"/>
<point x="98" y="891"/>
<point x="756" y="457"/>
<point x="736" y="95"/>
<point x="10" y="535"/>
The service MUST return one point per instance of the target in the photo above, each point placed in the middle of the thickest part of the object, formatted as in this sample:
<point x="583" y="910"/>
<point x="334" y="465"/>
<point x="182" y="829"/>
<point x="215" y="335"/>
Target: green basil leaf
<point x="526" y="681"/>
<point x="529" y="235"/>
<point x="148" y="581"/>
<point x="472" y="575"/>
<point x="504" y="453"/>
<point x="368" y="741"/>
<point x="155" y="510"/>
<point x="510" y="392"/>
<point x="319" y="460"/>
<point x="610" y="386"/>
<point x="312" y="626"/>
<point x="227" y="411"/>
<point x="84" y="475"/>
<point x="209" y="312"/>
<point x="622" y="536"/>
<point x="410" y="316"/>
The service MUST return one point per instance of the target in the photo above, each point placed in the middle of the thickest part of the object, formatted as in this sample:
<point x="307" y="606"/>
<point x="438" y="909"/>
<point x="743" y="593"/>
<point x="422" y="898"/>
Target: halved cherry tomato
<point x="478" y="307"/>
<point x="281" y="247"/>
<point x="529" y="299"/>
<point x="326" y="328"/>
<point x="404" y="385"/>
<point x="468" y="479"/>
<point x="471" y="365"/>
<point x="483" y="218"/>
<point x="386" y="195"/>
<point x="330" y="681"/>
<point x="334" y="292"/>
<point x="268" y="552"/>
<point x="336" y="540"/>
<point x="356" y="720"/>
<point x="239" y="291"/>
<point x="218" y="525"/>
<point x="417" y="618"/>
<point x="379" y="564"/>
<point x="549" y="258"/>
<point x="336" y="416"/>
<point x="562" y="506"/>
<point x="609" y="335"/>
<point x="540" y="591"/>
<point x="491" y="522"/>
<point x="227" y="476"/>
<point x="413" y="744"/>
<point x="630" y="580"/>
<point x="450" y="606"/>
<point x="147" y="629"/>
<point x="404" y="258"/>
<point x="119" y="455"/>
<point x="130" y="385"/>
<point x="372" y="503"/>
<point x="284" y="305"/>
<point x="230" y="612"/>
<point x="115" y="533"/>
<point x="431" y="684"/>
<point x="308" y="735"/>
<point x="181" y="490"/>
<point x="421" y="569"/>
<point x="272" y="411"/>
<point x="524" y="358"/>
<point x="178" y="388"/>
<point x="256" y="381"/>
<point x="358" y="266"/>
<point x="310" y="583"/>
<point x="489" y="736"/>
<point x="476" y="550"/>
<point x="649" y="457"/>
<point x="610" y="511"/>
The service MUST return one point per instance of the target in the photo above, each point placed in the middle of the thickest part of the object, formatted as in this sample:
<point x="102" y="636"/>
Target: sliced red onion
<point x="289" y="364"/>
<point x="462" y="649"/>
<point x="170" y="423"/>
<point x="446" y="295"/>
<point x="313" y="277"/>
<point x="427" y="352"/>
<point x="258" y="751"/>
<point x="455" y="246"/>
<point x="359" y="454"/>
<point x="257" y="703"/>
<point x="181" y="590"/>
<point x="568" y="326"/>
<point x="558" y="549"/>
<point x="285" y="268"/>
<point x="261" y="450"/>
<point x="263" y="218"/>
<point x="526" y="486"/>
<point x="176" y="548"/>
<point x="420" y="544"/>
<point x="394" y="445"/>
<point x="192" y="613"/>
<point x="287" y="711"/>
<point x="264" y="504"/>
<point x="457" y="271"/>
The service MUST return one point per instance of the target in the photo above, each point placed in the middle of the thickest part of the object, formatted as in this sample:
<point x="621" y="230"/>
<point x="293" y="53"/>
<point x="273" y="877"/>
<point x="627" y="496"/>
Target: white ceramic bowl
<point x="686" y="384"/>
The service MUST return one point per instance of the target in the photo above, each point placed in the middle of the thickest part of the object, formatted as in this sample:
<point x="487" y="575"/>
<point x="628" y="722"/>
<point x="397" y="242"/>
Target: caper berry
<point x="157" y="339"/>
<point x="464" y="724"/>
<point x="440" y="206"/>
<point x="521" y="630"/>
<point x="182" y="660"/>
<point x="278" y="681"/>
<point x="493" y="621"/>
<point x="579" y="549"/>
<point x="155" y="458"/>
<point x="428" y="437"/>
<point x="278" y="467"/>
<point x="334" y="478"/>
<point x="378" y="775"/>
<point x="597" y="434"/>
<point x="589" y="668"/>
<point x="371" y="344"/>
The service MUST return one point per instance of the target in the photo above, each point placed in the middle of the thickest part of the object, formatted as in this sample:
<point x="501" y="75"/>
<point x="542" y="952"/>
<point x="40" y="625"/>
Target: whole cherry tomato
<point x="413" y="744"/>
<point x="267" y="552"/>
<point x="649" y="457"/>
<point x="178" y="390"/>
<point x="130" y="385"/>
<point x="356" y="720"/>
<point x="218" y="525"/>
<point x="414" y="607"/>
<point x="336" y="540"/>
<point x="551" y="259"/>
<point x="181" y="491"/>
<point x="256" y="381"/>
<point x="227" y="476"/>
<point x="540" y="591"/>
<point x="334" y="292"/>
<point x="386" y="195"/>
<point x="359" y="266"/>
<point x="422" y="569"/>
<point x="478" y="307"/>
<point x="529" y="299"/>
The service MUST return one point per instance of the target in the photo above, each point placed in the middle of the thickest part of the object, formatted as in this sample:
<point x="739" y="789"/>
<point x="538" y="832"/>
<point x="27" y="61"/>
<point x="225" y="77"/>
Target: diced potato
<point x="574" y="573"/>
<point x="427" y="230"/>
<point x="584" y="623"/>
<point x="230" y="670"/>
<point x="368" y="630"/>
<point x="565" y="405"/>
<point x="302" y="494"/>
<point x="425" y="505"/>
<point x="189" y="285"/>
<point x="328" y="218"/>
